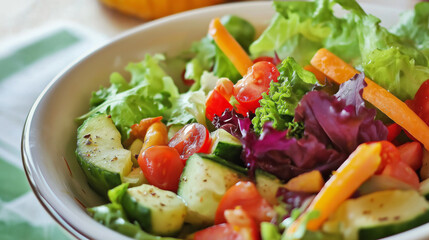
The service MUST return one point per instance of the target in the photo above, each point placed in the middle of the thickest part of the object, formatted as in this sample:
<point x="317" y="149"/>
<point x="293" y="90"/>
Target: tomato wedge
<point x="403" y="172"/>
<point x="216" y="104"/>
<point x="162" y="167"/>
<point x="245" y="195"/>
<point x="412" y="154"/>
<point x="216" y="232"/>
<point x="192" y="138"/>
<point x="248" y="91"/>
<point x="242" y="223"/>
<point x="389" y="154"/>
<point x="393" y="130"/>
<point x="240" y="226"/>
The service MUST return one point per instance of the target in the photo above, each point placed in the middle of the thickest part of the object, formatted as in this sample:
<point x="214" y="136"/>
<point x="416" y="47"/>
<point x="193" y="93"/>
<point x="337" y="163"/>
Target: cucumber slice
<point x="100" y="153"/>
<point x="226" y="146"/>
<point x="204" y="181"/>
<point x="378" y="183"/>
<point x="424" y="188"/>
<point x="135" y="177"/>
<point x="267" y="185"/>
<point x="379" y="215"/>
<point x="157" y="211"/>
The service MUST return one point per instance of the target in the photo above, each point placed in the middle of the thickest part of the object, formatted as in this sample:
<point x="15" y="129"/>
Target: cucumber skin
<point x="234" y="152"/>
<point x="224" y="162"/>
<point x="137" y="212"/>
<point x="98" y="179"/>
<point x="391" y="229"/>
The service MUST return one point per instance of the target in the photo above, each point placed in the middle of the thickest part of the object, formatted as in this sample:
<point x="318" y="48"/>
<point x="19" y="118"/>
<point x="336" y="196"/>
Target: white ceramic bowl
<point x="49" y="134"/>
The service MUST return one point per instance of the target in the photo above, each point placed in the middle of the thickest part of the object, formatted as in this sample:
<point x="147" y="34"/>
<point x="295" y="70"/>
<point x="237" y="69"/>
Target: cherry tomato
<point x="216" y="232"/>
<point x="162" y="167"/>
<point x="393" y="131"/>
<point x="245" y="195"/>
<point x="216" y="104"/>
<point x="403" y="172"/>
<point x="248" y="91"/>
<point x="192" y="138"/>
<point x="412" y="154"/>
<point x="389" y="154"/>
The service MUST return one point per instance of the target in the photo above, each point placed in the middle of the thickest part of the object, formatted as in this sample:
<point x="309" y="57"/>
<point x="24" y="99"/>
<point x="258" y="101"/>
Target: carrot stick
<point x="230" y="46"/>
<point x="360" y="165"/>
<point x="339" y="71"/>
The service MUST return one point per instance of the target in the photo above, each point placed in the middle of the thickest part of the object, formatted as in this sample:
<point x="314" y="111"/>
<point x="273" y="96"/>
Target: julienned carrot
<point x="230" y="46"/>
<point x="360" y="165"/>
<point x="339" y="71"/>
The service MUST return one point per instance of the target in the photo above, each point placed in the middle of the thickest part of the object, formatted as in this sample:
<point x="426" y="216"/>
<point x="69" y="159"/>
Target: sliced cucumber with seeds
<point x="157" y="211"/>
<point x="379" y="215"/>
<point x="226" y="146"/>
<point x="100" y="153"/>
<point x="204" y="181"/>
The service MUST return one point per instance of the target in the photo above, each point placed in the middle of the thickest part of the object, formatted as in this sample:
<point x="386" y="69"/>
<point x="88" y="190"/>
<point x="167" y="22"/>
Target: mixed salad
<point x="318" y="129"/>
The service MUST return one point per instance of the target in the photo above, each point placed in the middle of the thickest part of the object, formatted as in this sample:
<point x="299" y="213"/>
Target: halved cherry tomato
<point x="242" y="223"/>
<point x="216" y="232"/>
<point x="192" y="138"/>
<point x="393" y="130"/>
<point x="216" y="104"/>
<point x="246" y="195"/>
<point x="389" y="154"/>
<point x="248" y="91"/>
<point x="162" y="167"/>
<point x="403" y="172"/>
<point x="412" y="154"/>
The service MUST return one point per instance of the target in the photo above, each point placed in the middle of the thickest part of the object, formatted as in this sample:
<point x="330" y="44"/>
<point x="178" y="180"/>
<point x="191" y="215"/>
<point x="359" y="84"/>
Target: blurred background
<point x="39" y="38"/>
<point x="20" y="15"/>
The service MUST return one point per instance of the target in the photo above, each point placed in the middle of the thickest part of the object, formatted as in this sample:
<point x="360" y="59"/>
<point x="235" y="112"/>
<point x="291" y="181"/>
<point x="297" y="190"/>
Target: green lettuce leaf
<point x="413" y="27"/>
<point x="278" y="106"/>
<point x="301" y="28"/>
<point x="150" y="93"/>
<point x="389" y="61"/>
<point x="113" y="216"/>
<point x="189" y="107"/>
<point x="397" y="63"/>
<point x="208" y="56"/>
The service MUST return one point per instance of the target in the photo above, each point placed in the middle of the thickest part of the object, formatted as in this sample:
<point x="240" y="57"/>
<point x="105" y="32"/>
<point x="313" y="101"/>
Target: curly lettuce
<point x="278" y="106"/>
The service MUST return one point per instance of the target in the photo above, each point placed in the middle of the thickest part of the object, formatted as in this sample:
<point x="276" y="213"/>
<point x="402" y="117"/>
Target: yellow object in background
<point x="152" y="9"/>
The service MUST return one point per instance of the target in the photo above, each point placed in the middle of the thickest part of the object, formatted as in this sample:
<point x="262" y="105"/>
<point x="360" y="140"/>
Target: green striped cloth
<point x="27" y="64"/>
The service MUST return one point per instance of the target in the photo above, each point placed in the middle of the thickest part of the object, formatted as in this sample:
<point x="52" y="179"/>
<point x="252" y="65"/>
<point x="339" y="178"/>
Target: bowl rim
<point x="27" y="159"/>
<point x="26" y="155"/>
